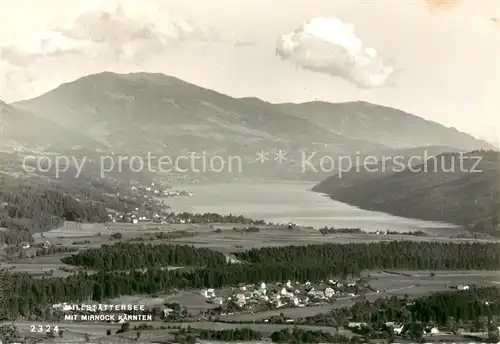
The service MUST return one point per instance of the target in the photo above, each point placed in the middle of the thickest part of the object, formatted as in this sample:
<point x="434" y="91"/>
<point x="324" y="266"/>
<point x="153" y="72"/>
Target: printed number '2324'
<point x="42" y="328"/>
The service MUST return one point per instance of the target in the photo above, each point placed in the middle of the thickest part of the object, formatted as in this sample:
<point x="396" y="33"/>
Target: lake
<point x="283" y="202"/>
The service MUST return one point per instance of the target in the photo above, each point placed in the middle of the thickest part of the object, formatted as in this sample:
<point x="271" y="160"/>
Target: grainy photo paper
<point x="249" y="171"/>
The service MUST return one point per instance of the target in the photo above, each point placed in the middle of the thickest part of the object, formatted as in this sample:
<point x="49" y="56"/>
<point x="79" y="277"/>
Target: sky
<point x="438" y="59"/>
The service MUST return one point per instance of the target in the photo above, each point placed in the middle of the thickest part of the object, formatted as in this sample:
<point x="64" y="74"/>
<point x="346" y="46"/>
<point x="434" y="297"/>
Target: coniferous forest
<point x="40" y="206"/>
<point x="125" y="256"/>
<point x="389" y="255"/>
<point x="314" y="262"/>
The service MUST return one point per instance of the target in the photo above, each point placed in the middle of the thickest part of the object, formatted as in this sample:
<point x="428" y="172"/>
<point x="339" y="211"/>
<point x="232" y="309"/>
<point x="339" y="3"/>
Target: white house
<point x="208" y="293"/>
<point x="240" y="300"/>
<point x="398" y="329"/>
<point x="434" y="330"/>
<point x="167" y="311"/>
<point x="463" y="287"/>
<point x="356" y="324"/>
<point x="329" y="292"/>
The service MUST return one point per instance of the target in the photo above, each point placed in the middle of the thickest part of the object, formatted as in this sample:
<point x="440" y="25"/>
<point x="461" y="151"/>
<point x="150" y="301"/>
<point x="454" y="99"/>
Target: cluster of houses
<point x="174" y="193"/>
<point x="137" y="215"/>
<point x="160" y="190"/>
<point x="26" y="245"/>
<point x="290" y="294"/>
<point x="396" y="327"/>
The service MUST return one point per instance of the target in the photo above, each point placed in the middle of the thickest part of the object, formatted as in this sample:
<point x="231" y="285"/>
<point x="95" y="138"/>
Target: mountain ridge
<point x="181" y="91"/>
<point x="437" y="189"/>
<point x="135" y="113"/>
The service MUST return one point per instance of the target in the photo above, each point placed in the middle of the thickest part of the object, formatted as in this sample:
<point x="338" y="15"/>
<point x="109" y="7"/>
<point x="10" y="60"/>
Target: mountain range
<point x="133" y="114"/>
<point x="137" y="114"/>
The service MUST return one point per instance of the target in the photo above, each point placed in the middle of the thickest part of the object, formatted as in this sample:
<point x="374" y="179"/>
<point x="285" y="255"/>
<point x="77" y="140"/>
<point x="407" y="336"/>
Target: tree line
<point x="471" y="309"/>
<point x="387" y="255"/>
<point x="126" y="256"/>
<point x="29" y="295"/>
<point x="213" y="218"/>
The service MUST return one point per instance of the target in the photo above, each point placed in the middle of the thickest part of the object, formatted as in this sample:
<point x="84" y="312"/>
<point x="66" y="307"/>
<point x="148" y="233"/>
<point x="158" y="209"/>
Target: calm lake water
<point x="283" y="202"/>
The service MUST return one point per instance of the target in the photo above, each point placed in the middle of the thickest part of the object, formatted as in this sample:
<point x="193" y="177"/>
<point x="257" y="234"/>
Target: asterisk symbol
<point x="280" y="156"/>
<point x="262" y="156"/>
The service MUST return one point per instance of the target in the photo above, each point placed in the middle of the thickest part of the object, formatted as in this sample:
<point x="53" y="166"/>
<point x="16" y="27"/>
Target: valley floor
<point x="224" y="238"/>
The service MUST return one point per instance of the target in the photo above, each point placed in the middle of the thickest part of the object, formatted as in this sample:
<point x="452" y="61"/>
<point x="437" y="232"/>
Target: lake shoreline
<point x="296" y="202"/>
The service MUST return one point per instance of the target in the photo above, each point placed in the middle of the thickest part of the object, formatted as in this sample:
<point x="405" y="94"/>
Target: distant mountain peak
<point x="143" y="112"/>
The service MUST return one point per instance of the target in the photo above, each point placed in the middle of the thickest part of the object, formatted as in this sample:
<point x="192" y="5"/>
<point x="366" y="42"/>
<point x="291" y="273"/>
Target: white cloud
<point x="110" y="34"/>
<point x="330" y="46"/>
<point x="132" y="32"/>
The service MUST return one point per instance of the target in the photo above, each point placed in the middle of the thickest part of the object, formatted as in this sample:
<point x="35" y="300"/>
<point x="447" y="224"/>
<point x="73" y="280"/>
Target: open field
<point x="227" y="240"/>
<point x="75" y="332"/>
<point x="95" y="235"/>
<point x="232" y="241"/>
<point x="72" y="332"/>
<point x="75" y="229"/>
<point x="83" y="236"/>
<point x="191" y="300"/>
<point x="37" y="266"/>
<point x="96" y="333"/>
<point x="265" y="329"/>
